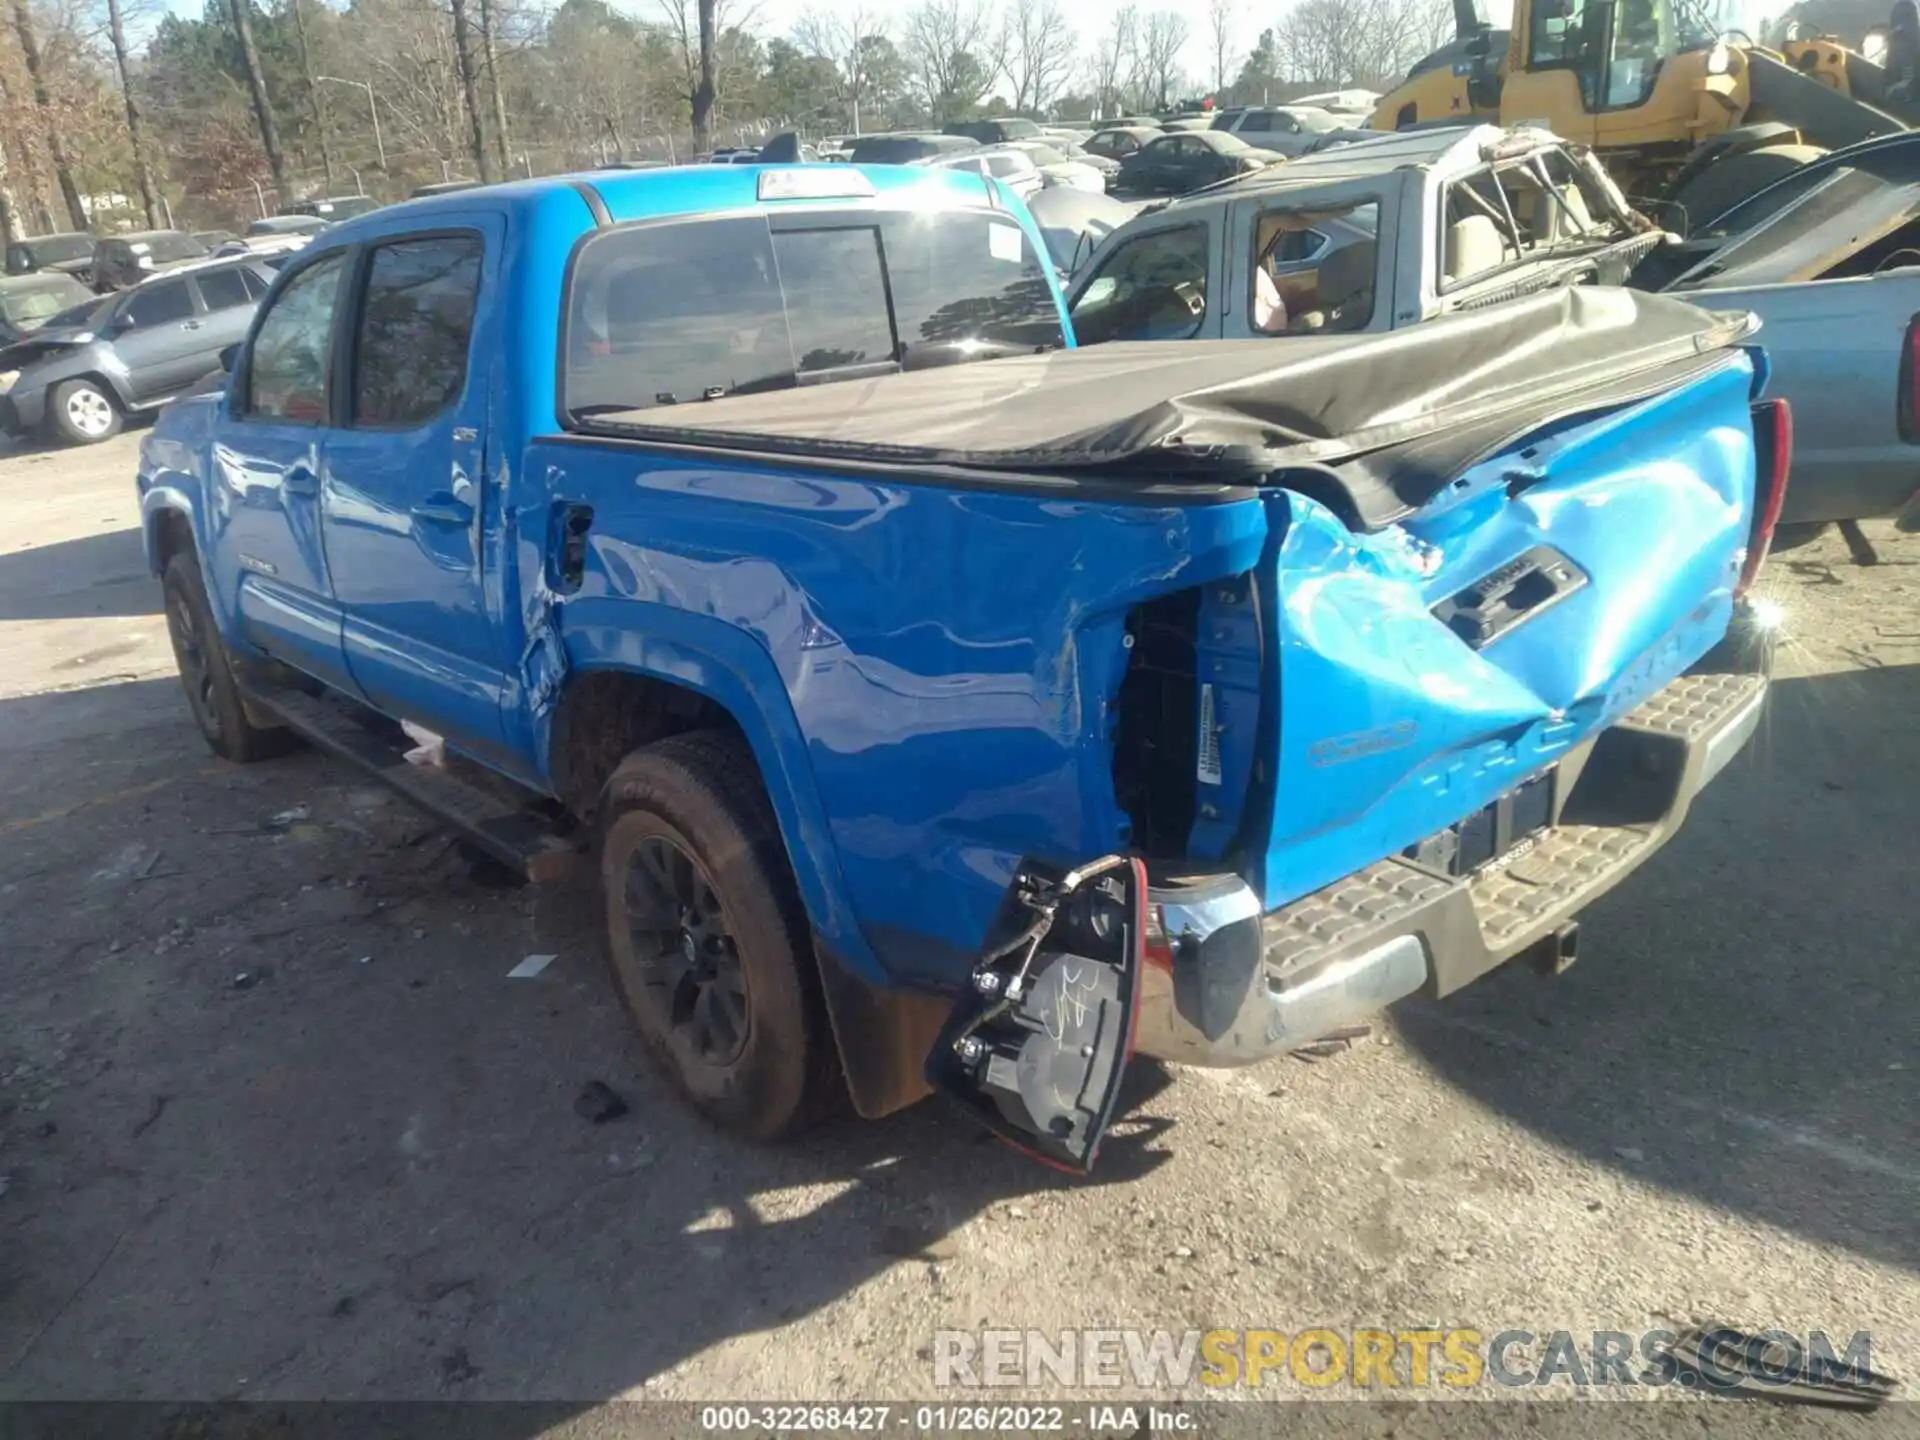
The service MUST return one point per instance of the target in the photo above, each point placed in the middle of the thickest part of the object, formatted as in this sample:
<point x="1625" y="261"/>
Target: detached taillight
<point x="1907" y="402"/>
<point x="1773" y="458"/>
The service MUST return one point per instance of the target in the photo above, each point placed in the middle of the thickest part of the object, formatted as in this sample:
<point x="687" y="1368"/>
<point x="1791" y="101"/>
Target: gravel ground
<point x="274" y="1123"/>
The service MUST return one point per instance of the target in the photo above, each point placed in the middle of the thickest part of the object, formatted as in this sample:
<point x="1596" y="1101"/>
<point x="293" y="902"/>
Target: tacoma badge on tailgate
<point x="1035" y="1050"/>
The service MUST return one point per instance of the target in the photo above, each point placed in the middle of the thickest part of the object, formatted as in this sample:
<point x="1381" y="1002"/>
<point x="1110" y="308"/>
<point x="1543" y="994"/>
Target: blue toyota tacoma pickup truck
<point x="941" y="705"/>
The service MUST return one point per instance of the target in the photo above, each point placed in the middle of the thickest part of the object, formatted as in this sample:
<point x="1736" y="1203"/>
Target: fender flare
<point x="164" y="498"/>
<point x="730" y="667"/>
<point x="155" y="506"/>
<point x="881" y="1029"/>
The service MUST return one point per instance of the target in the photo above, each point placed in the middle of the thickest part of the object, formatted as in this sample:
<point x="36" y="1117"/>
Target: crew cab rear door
<point x="406" y="498"/>
<point x="1036" y="1048"/>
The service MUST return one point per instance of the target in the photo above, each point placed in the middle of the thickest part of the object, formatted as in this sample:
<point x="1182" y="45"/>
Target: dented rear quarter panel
<point x="936" y="665"/>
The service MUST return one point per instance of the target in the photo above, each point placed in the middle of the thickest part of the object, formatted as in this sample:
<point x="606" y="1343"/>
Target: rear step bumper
<point x="1226" y="985"/>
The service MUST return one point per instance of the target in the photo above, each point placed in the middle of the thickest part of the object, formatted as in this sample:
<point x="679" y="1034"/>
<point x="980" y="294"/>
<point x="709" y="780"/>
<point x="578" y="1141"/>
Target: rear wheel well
<point x="605" y="715"/>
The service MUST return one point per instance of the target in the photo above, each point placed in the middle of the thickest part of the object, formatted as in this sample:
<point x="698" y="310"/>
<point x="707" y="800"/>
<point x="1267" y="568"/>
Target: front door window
<point x="1151" y="288"/>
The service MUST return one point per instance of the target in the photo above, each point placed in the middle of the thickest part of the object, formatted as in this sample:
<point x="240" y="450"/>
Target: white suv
<point x="1284" y="129"/>
<point x="1013" y="168"/>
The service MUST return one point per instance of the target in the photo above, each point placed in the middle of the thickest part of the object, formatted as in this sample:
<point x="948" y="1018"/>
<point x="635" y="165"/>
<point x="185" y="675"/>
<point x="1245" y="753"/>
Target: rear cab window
<point x="678" y="311"/>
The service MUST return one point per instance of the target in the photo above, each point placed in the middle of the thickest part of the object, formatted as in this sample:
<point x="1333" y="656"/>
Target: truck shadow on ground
<point x="1755" y="1052"/>
<point x="99" y="575"/>
<point x="277" y="1123"/>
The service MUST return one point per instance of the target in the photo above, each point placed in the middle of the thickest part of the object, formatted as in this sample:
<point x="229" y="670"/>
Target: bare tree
<point x="314" y="109"/>
<point x="1036" y="52"/>
<point x="242" y="11"/>
<point x="1220" y="18"/>
<point x="43" y="104"/>
<point x="843" y="38"/>
<point x="1364" y="42"/>
<point x="1113" y="60"/>
<point x="136" y="125"/>
<point x="470" y="90"/>
<point x="943" y="39"/>
<point x="704" y="90"/>
<point x="697" y="35"/>
<point x="9" y="212"/>
<point x="491" y="51"/>
<point x="1162" y="37"/>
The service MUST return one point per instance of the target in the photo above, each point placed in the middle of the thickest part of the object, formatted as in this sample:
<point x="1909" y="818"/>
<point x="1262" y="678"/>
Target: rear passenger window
<point x="256" y="287"/>
<point x="416" y="321"/>
<point x="223" y="289"/>
<point x="1314" y="270"/>
<point x="166" y="304"/>
<point x="667" y="314"/>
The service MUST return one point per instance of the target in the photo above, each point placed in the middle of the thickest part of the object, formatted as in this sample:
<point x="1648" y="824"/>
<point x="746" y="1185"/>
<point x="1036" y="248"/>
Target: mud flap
<point x="1036" y="1048"/>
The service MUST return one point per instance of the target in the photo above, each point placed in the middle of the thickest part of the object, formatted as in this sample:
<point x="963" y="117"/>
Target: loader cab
<point x="1611" y="49"/>
<point x="1608" y="72"/>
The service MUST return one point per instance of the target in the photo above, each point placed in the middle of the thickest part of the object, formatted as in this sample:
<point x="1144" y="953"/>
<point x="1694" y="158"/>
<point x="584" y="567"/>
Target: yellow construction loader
<point x="1689" y="118"/>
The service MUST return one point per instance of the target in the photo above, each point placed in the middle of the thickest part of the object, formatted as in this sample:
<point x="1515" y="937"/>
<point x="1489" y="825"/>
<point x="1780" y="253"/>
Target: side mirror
<point x="228" y="356"/>
<point x="1479" y="47"/>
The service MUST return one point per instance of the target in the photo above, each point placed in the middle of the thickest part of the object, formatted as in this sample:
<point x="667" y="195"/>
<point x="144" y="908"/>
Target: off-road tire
<point x="97" y="399"/>
<point x="206" y="672"/>
<point x="700" y="795"/>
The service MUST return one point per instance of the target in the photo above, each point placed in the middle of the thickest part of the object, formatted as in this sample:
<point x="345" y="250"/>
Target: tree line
<point x="113" y="116"/>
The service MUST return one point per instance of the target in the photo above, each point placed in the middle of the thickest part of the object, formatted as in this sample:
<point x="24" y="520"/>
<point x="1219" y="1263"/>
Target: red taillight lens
<point x="1773" y="457"/>
<point x="1908" y="400"/>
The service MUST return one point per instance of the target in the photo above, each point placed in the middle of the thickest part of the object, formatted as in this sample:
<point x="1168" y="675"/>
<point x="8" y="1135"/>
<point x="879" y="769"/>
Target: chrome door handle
<point x="190" y="325"/>
<point x="465" y="434"/>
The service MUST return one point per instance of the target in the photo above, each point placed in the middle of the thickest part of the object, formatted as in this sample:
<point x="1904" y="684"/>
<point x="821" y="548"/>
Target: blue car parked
<point x="941" y="705"/>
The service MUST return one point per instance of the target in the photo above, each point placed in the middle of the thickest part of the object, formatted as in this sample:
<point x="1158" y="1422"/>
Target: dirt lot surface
<point x="274" y="1121"/>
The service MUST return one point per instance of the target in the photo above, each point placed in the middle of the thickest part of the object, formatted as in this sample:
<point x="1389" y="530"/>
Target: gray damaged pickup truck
<point x="1367" y="237"/>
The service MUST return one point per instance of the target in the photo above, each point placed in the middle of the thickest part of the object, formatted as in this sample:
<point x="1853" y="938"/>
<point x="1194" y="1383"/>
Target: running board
<point x="517" y="836"/>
